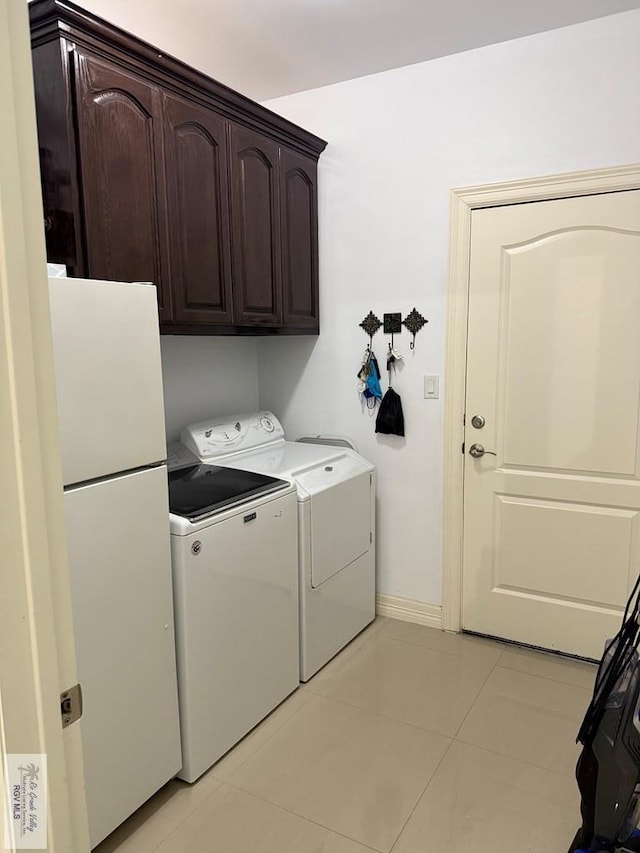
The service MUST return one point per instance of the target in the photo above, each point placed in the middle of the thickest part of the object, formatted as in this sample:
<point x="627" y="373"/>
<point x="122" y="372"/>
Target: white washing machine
<point x="235" y="574"/>
<point x="336" y="523"/>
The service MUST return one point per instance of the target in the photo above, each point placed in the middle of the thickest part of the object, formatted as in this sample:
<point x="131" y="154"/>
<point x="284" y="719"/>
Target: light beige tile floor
<point x="410" y="741"/>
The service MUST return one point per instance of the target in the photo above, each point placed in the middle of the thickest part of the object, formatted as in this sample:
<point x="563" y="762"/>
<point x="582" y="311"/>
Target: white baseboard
<point x="409" y="611"/>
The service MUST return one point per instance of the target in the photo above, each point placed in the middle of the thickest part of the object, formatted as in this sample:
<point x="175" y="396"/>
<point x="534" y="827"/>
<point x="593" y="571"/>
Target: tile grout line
<point x="504" y="648"/>
<point x="516" y="758"/>
<point x="545" y="677"/>
<point x="429" y="782"/>
<point x="348" y="652"/>
<point x="587" y="690"/>
<point x="431" y="649"/>
<point x="260" y="746"/>
<point x="221" y="781"/>
<point x="484" y="684"/>
<point x="303" y="817"/>
<point x="423" y="792"/>
<point x="179" y="825"/>
<point x="310" y="694"/>
<point x="418" y="728"/>
<point x="455" y="739"/>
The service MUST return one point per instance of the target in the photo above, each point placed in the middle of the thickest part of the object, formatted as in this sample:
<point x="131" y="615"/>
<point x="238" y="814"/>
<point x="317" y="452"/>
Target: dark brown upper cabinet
<point x="255" y="218"/>
<point x="198" y="213"/>
<point x="152" y="171"/>
<point x="299" y="212"/>
<point x="122" y="175"/>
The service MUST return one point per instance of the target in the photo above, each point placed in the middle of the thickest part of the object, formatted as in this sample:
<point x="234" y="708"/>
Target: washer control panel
<point x="267" y="423"/>
<point x="231" y="433"/>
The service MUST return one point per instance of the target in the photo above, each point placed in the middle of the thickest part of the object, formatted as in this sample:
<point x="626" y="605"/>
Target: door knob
<point x="478" y="451"/>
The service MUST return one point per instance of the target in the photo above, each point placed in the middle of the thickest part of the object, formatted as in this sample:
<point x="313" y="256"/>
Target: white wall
<point x="398" y="141"/>
<point x="207" y="376"/>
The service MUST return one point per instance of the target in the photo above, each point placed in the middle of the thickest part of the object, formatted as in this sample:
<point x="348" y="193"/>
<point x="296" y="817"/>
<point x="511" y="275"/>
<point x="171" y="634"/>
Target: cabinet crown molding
<point x="54" y="19"/>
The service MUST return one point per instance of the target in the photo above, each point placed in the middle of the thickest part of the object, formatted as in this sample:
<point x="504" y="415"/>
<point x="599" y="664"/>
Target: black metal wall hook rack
<point x="393" y="324"/>
<point x="413" y="322"/>
<point x="370" y="324"/>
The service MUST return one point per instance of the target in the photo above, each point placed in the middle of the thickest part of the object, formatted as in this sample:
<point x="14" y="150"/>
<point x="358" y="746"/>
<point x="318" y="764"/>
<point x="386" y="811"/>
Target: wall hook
<point x="414" y="321"/>
<point x="392" y="323"/>
<point x="370" y="324"/>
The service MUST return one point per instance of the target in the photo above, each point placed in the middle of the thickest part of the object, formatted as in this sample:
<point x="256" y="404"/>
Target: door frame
<point x="463" y="201"/>
<point x="37" y="652"/>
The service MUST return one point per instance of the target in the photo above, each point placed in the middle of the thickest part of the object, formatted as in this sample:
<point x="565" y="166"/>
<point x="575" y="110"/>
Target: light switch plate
<point x="431" y="387"/>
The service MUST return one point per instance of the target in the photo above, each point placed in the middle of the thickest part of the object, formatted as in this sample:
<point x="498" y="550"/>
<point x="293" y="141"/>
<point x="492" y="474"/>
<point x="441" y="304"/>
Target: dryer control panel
<point x="231" y="434"/>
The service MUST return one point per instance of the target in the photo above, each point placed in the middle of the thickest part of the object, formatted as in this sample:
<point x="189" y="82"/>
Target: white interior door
<point x="552" y="521"/>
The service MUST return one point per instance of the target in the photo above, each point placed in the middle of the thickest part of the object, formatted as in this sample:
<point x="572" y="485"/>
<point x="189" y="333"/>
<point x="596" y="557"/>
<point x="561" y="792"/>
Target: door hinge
<point x="462" y="449"/>
<point x="71" y="705"/>
<point x="370" y="538"/>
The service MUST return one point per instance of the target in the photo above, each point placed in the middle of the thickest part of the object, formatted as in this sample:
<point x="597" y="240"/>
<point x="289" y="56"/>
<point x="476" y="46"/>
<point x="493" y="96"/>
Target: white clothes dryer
<point x="336" y="523"/>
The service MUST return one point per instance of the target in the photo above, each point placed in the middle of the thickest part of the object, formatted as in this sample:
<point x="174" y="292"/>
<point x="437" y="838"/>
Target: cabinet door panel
<point x="255" y="212"/>
<point x="196" y="156"/>
<point x="298" y="180"/>
<point x="120" y="147"/>
<point x="56" y="142"/>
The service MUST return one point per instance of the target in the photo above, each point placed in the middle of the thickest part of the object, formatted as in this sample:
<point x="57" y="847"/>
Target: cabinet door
<point x="198" y="212"/>
<point x="56" y="143"/>
<point x="255" y="219"/>
<point x="299" y="206"/>
<point x="120" y="151"/>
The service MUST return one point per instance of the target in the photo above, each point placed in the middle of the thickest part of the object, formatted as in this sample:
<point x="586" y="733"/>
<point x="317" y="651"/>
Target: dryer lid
<point x="328" y="473"/>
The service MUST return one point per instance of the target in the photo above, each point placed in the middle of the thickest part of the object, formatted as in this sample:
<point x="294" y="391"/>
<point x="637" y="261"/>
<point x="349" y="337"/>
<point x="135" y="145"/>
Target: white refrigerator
<point x="111" y="415"/>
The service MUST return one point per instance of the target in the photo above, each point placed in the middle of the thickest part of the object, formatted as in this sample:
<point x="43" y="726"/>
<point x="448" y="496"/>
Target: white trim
<point x="463" y="201"/>
<point x="36" y="635"/>
<point x="408" y="610"/>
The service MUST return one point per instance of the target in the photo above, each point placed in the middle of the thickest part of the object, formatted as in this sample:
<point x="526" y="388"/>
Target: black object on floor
<point x="608" y="770"/>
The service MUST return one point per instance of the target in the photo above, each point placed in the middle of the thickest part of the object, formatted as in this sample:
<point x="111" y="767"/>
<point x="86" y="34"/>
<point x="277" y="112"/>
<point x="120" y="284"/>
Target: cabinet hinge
<point x="71" y="705"/>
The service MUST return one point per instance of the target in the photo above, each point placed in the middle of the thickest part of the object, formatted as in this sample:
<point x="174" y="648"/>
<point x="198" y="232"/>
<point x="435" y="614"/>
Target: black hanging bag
<point x="390" y="420"/>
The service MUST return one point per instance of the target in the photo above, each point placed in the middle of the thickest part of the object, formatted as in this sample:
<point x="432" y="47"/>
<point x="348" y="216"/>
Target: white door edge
<point x="35" y="607"/>
<point x="463" y="201"/>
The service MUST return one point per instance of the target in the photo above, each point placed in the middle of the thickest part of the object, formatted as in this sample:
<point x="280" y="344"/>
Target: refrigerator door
<point x="121" y="590"/>
<point x="108" y="377"/>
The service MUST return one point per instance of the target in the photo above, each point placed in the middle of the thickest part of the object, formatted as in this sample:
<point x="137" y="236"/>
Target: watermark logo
<point x="25" y="826"/>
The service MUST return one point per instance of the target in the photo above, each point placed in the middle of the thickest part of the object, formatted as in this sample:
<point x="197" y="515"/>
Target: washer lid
<point x="206" y="489"/>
